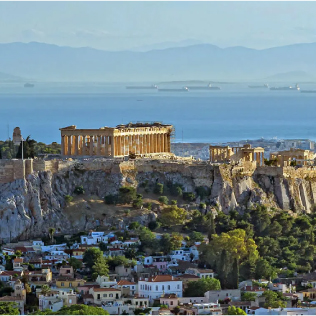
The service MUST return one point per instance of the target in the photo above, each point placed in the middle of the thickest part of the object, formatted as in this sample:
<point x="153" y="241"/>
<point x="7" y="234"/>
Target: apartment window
<point x="163" y="287"/>
<point x="171" y="303"/>
<point x="110" y="295"/>
<point x="156" y="287"/>
<point x="168" y="287"/>
<point x="178" y="286"/>
<point x="62" y="284"/>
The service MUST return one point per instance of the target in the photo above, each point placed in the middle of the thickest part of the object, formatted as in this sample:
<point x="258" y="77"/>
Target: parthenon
<point x="225" y="154"/>
<point x="122" y="140"/>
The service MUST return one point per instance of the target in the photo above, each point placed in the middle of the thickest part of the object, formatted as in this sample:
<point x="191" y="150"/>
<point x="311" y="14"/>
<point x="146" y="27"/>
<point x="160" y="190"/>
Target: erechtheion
<point x="226" y="154"/>
<point x="300" y="156"/>
<point x="122" y="140"/>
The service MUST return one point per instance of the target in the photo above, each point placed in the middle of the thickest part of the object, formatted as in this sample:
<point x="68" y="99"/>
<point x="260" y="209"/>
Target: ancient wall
<point x="11" y="170"/>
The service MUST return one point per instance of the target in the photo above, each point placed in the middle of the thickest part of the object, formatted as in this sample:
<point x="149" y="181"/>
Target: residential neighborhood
<point x="42" y="276"/>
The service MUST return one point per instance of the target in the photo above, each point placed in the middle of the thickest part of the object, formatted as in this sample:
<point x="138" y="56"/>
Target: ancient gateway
<point x="122" y="140"/>
<point x="226" y="154"/>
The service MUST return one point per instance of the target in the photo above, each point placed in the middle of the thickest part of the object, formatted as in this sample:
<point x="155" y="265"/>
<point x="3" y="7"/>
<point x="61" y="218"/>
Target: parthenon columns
<point x="138" y="138"/>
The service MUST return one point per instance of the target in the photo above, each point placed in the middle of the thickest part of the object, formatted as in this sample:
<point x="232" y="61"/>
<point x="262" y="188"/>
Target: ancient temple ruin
<point x="226" y="154"/>
<point x="122" y="140"/>
<point x="298" y="156"/>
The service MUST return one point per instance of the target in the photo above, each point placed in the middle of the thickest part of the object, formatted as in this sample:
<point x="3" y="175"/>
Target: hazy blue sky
<point x="126" y="25"/>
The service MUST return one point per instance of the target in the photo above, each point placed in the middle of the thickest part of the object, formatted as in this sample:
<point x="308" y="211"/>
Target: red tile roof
<point x="162" y="278"/>
<point x="125" y="282"/>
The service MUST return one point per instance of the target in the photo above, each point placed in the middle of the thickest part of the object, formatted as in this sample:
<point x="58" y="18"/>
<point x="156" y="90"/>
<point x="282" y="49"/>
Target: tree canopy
<point x="198" y="288"/>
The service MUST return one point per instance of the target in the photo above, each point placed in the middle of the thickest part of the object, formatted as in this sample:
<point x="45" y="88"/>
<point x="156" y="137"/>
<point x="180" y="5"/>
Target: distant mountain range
<point x="195" y="62"/>
<point x="9" y="78"/>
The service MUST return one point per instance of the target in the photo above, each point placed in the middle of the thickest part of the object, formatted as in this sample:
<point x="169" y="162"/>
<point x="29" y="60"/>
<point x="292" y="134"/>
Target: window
<point x="163" y="287"/>
<point x="104" y="295"/>
<point x="156" y="287"/>
<point x="171" y="303"/>
<point x="70" y="301"/>
<point x="62" y="284"/>
<point x="178" y="286"/>
<point x="168" y="287"/>
<point x="99" y="296"/>
<point x="110" y="295"/>
<point x="70" y="284"/>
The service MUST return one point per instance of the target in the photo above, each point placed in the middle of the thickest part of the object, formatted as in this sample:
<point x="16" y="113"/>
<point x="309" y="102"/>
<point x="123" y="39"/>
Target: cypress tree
<point x="211" y="230"/>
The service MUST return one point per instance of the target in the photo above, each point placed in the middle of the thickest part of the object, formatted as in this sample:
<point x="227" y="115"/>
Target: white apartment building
<point x="154" y="287"/>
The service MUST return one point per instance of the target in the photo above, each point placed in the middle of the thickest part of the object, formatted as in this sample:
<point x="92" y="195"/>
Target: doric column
<point x="83" y="148"/>
<point x="119" y="149"/>
<point x="99" y="145"/>
<point x="166" y="143"/>
<point x="148" y="143"/>
<point x="69" y="145"/>
<point x="62" y="145"/>
<point x="162" y="138"/>
<point x="142" y="144"/>
<point x="91" y="146"/>
<point x="156" y="143"/>
<point x="76" y="145"/>
<point x="112" y="146"/>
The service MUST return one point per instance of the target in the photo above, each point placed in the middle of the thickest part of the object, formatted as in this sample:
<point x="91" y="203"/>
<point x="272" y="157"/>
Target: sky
<point x="141" y="25"/>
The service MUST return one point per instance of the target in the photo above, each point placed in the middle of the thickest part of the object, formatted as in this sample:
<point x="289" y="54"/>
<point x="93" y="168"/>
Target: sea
<point x="236" y="112"/>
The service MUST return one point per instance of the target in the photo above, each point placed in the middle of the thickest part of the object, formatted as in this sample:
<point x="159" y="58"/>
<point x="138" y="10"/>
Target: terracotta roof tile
<point x="125" y="282"/>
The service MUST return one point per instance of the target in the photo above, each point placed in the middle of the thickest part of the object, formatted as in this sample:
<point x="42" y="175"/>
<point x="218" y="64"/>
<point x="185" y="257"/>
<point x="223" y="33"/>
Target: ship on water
<point x="208" y="87"/>
<point x="289" y="88"/>
<point x="28" y="85"/>
<point x="184" y="89"/>
<point x="142" y="87"/>
<point x="265" y="86"/>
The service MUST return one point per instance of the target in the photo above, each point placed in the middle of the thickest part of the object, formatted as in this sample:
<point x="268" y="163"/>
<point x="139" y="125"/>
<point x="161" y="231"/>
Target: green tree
<point x="127" y="195"/>
<point x="163" y="200"/>
<point x="232" y="310"/>
<point x="198" y="288"/>
<point x="103" y="247"/>
<point x="248" y="296"/>
<point x="196" y="236"/>
<point x="45" y="289"/>
<point x="68" y="198"/>
<point x="79" y="190"/>
<point x="100" y="267"/>
<point x="211" y="230"/>
<point x="173" y="215"/>
<point x="28" y="148"/>
<point x="91" y="256"/>
<point x="77" y="309"/>
<point x="133" y="225"/>
<point x="9" y="308"/>
<point x="138" y="202"/>
<point x="75" y="263"/>
<point x="272" y="300"/>
<point x="158" y="189"/>
<point x="51" y="232"/>
<point x="264" y="270"/>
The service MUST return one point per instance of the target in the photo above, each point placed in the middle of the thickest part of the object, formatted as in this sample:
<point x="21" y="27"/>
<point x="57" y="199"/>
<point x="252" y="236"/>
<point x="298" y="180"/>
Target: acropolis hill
<point x="33" y="191"/>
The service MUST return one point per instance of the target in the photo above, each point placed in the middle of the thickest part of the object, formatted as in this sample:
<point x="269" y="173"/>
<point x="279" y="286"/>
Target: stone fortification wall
<point x="11" y="170"/>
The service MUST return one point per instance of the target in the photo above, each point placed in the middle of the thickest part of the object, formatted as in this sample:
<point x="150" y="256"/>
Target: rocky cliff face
<point x="29" y="207"/>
